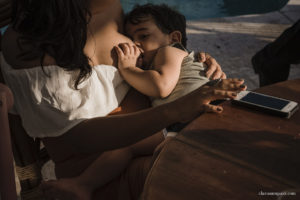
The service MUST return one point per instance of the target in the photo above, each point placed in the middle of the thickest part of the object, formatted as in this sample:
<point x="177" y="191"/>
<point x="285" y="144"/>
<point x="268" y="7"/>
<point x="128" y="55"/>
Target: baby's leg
<point x="105" y="168"/>
<point x="111" y="164"/>
<point x="147" y="145"/>
<point x="150" y="146"/>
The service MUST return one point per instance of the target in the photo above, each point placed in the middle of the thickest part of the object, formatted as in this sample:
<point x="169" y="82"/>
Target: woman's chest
<point x="100" y="46"/>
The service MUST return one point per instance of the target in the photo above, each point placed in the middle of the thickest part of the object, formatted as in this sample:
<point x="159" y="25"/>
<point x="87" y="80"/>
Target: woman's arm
<point x="158" y="82"/>
<point x="107" y="133"/>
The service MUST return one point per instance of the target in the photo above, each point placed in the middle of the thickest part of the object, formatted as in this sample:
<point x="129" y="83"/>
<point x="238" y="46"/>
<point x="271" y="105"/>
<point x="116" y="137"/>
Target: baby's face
<point x="148" y="37"/>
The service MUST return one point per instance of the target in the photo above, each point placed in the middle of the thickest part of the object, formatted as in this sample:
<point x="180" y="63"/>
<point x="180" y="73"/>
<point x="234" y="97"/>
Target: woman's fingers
<point x="199" y="100"/>
<point x="223" y="76"/>
<point x="212" y="108"/>
<point x="214" y="70"/>
<point x="222" y="94"/>
<point x="222" y="89"/>
<point x="233" y="84"/>
<point x="217" y="73"/>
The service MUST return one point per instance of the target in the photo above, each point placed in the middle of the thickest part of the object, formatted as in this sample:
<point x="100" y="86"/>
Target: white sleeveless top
<point x="49" y="105"/>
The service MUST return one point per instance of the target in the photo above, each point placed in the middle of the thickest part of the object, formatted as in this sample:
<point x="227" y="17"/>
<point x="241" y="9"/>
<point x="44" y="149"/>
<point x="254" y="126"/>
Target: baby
<point x="158" y="65"/>
<point x="169" y="70"/>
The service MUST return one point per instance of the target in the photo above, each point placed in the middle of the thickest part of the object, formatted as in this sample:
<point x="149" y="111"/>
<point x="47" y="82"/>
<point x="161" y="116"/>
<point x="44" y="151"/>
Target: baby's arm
<point x="158" y="82"/>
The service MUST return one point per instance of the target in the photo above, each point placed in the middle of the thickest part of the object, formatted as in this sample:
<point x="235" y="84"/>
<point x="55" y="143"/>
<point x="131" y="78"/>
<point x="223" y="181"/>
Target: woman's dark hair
<point x="166" y="18"/>
<point x="57" y="28"/>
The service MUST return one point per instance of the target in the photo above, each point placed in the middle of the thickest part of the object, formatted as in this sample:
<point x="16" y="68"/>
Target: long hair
<point x="57" y="28"/>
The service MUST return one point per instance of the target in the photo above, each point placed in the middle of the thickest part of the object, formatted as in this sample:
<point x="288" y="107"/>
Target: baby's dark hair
<point x="166" y="18"/>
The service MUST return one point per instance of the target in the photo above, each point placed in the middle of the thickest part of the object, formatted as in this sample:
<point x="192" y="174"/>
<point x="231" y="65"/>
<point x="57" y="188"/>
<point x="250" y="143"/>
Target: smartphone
<point x="269" y="104"/>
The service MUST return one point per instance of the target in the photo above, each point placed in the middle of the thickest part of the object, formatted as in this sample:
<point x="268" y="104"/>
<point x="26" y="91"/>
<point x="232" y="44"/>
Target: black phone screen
<point x="265" y="101"/>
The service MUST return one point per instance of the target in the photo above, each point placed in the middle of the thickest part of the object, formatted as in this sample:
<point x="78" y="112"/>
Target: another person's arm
<point x="107" y="133"/>
<point x="157" y="82"/>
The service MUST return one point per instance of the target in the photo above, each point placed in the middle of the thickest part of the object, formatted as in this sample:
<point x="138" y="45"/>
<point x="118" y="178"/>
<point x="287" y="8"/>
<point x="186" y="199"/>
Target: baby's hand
<point x="127" y="55"/>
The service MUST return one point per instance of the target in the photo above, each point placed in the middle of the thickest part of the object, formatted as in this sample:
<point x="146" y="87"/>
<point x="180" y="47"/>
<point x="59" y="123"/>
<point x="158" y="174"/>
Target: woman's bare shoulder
<point x="12" y="49"/>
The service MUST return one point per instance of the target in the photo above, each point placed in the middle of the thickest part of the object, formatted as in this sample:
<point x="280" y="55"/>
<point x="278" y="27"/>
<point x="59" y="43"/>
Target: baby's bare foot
<point x="65" y="189"/>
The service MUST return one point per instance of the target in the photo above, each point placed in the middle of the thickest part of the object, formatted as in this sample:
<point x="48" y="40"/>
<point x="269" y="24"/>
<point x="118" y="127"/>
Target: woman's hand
<point x="128" y="55"/>
<point x="197" y="102"/>
<point x="214" y="70"/>
<point x="223" y="89"/>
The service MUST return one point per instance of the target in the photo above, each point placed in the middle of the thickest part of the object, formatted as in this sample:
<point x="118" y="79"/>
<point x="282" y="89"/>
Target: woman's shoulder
<point x="13" y="48"/>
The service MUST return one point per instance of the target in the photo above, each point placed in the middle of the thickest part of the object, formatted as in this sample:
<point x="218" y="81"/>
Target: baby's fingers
<point x="136" y="51"/>
<point x="119" y="51"/>
<point x="126" y="48"/>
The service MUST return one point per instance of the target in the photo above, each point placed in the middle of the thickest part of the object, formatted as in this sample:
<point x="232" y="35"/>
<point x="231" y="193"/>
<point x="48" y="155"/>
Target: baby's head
<point x="154" y="26"/>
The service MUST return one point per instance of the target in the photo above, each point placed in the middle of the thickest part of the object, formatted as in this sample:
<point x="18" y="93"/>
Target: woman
<point x="67" y="38"/>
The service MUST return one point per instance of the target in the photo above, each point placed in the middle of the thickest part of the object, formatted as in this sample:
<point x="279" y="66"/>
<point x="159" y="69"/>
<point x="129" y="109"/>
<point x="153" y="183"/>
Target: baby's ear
<point x="175" y="37"/>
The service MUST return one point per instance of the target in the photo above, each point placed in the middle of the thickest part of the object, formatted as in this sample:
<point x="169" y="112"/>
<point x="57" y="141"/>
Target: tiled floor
<point x="234" y="40"/>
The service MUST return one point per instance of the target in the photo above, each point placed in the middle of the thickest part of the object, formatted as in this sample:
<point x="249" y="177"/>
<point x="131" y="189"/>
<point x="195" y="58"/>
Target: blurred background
<point x="200" y="9"/>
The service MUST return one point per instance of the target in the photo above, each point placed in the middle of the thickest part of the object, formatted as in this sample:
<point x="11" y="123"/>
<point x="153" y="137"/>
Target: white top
<point x="49" y="105"/>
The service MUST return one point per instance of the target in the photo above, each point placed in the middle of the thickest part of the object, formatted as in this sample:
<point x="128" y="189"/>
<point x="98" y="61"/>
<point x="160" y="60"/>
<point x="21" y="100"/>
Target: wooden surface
<point x="238" y="154"/>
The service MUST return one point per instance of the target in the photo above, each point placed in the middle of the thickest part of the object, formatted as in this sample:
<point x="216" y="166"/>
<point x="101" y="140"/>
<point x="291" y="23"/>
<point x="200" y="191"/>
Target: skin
<point x="80" y="146"/>
<point x="160" y="79"/>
